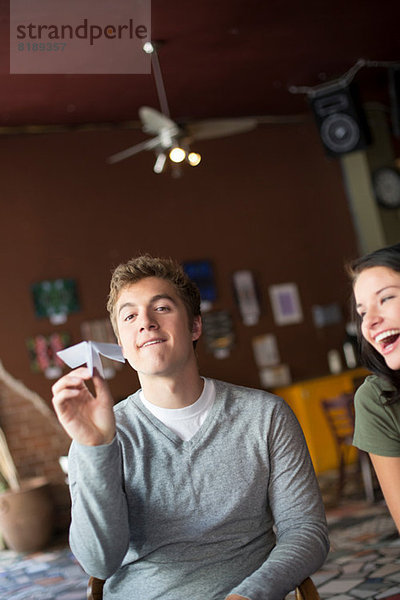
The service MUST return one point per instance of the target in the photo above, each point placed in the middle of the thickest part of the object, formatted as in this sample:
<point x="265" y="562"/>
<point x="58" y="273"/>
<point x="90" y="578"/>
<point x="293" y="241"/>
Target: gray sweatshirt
<point x="236" y="509"/>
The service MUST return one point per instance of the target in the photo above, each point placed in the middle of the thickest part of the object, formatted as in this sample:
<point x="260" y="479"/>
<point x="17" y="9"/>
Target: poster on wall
<point x="285" y="303"/>
<point x="202" y="273"/>
<point x="246" y="296"/>
<point x="42" y="350"/>
<point x="218" y="333"/>
<point x="55" y="299"/>
<point x="276" y="376"/>
<point x="265" y="349"/>
<point x="327" y="314"/>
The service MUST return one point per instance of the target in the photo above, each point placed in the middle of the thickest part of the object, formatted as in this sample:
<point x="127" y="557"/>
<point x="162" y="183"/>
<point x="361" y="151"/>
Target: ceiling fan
<point x="171" y="141"/>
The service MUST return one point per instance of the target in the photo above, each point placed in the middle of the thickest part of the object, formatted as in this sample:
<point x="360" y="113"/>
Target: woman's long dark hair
<point x="384" y="257"/>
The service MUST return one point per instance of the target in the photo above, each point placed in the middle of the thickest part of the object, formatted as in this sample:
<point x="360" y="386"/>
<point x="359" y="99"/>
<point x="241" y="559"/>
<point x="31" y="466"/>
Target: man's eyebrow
<point x="158" y="297"/>
<point x="153" y="299"/>
<point x="124" y="305"/>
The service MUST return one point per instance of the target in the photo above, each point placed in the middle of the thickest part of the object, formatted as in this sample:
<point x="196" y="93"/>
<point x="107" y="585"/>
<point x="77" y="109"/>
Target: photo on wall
<point x="55" y="299"/>
<point x="202" y="273"/>
<point x="285" y="303"/>
<point x="42" y="350"/>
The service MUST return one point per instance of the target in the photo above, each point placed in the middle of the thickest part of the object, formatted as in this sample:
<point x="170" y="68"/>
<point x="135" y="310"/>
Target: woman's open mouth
<point x="386" y="339"/>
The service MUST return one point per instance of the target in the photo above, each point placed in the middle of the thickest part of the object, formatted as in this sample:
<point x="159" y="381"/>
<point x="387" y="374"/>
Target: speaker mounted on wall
<point x="340" y="118"/>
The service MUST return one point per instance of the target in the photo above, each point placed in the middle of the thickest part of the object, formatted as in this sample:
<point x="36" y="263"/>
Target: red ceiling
<point x="221" y="58"/>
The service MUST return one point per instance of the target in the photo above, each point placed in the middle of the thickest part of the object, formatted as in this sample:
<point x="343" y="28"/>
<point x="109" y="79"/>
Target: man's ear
<point x="196" y="328"/>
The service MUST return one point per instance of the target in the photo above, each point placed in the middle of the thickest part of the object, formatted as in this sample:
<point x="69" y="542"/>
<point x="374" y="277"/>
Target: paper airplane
<point x="88" y="352"/>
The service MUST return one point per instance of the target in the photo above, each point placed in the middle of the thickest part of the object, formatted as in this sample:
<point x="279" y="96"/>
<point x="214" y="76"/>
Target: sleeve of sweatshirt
<point x="99" y="532"/>
<point x="302" y="542"/>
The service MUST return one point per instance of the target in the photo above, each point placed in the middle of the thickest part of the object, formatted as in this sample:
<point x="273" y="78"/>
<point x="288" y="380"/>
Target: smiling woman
<point x="376" y="287"/>
<point x="377" y="293"/>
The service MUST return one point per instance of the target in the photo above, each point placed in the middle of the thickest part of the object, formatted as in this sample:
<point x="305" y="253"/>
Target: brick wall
<point x="36" y="441"/>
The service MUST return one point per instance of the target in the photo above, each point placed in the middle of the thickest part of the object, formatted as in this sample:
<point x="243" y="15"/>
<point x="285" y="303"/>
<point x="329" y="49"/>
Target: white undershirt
<point x="186" y="421"/>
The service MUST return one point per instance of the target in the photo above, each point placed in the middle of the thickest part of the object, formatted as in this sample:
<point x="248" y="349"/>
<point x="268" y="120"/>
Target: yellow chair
<point x="305" y="591"/>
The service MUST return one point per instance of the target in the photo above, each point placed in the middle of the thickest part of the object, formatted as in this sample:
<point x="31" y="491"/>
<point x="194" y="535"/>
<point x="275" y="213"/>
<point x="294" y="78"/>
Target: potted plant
<point x="26" y="512"/>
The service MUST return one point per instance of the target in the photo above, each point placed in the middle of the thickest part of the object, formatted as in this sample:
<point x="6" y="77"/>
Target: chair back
<point x="95" y="589"/>
<point x="339" y="412"/>
<point x="305" y="591"/>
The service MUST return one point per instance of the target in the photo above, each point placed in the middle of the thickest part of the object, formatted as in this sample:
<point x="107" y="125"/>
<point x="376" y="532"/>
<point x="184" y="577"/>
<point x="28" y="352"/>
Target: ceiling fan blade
<point x="154" y="121"/>
<point x="147" y="145"/>
<point x="216" y="128"/>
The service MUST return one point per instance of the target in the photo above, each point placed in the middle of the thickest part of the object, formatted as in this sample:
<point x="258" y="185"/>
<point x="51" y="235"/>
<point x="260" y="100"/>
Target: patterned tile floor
<point x="364" y="561"/>
<point x="363" y="564"/>
<point x="50" y="575"/>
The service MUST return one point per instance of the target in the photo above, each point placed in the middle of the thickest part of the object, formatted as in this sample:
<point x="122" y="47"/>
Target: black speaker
<point x="394" y="92"/>
<point x="340" y="119"/>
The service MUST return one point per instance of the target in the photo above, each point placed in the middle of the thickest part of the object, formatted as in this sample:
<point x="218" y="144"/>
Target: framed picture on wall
<point x="43" y="350"/>
<point x="285" y="303"/>
<point x="55" y="299"/>
<point x="202" y="273"/>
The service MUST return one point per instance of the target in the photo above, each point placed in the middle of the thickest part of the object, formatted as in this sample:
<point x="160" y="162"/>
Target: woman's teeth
<point x="387" y="337"/>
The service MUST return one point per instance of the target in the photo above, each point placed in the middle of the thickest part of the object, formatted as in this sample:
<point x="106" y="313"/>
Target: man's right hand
<point x="88" y="419"/>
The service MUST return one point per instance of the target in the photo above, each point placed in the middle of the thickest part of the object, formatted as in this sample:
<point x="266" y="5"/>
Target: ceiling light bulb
<point x="160" y="162"/>
<point x="194" y="158"/>
<point x="177" y="154"/>
<point x="148" y="48"/>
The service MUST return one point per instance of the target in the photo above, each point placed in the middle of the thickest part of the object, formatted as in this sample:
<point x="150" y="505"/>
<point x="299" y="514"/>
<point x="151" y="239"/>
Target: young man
<point x="176" y="490"/>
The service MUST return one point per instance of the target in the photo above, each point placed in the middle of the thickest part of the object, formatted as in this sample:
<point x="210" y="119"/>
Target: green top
<point x="377" y="428"/>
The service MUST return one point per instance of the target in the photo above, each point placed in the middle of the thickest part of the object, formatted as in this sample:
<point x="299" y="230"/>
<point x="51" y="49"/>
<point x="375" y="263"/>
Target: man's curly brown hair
<point x="148" y="266"/>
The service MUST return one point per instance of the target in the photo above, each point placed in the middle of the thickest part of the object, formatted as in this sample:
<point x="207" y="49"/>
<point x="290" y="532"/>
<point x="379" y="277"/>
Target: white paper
<point x="277" y="376"/>
<point x="265" y="348"/>
<point x="89" y="353"/>
<point x="247" y="297"/>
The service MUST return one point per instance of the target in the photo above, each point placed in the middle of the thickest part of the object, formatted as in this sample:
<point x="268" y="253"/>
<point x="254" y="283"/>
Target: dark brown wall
<point x="268" y="200"/>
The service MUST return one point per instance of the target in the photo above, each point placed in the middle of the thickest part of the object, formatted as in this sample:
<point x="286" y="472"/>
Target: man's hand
<point x="87" y="418"/>
<point x="236" y="597"/>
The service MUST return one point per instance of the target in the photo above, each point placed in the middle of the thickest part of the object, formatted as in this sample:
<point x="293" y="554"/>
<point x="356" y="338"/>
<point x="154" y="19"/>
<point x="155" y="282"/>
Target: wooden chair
<point x="339" y="412"/>
<point x="95" y="588"/>
<point x="305" y="591"/>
